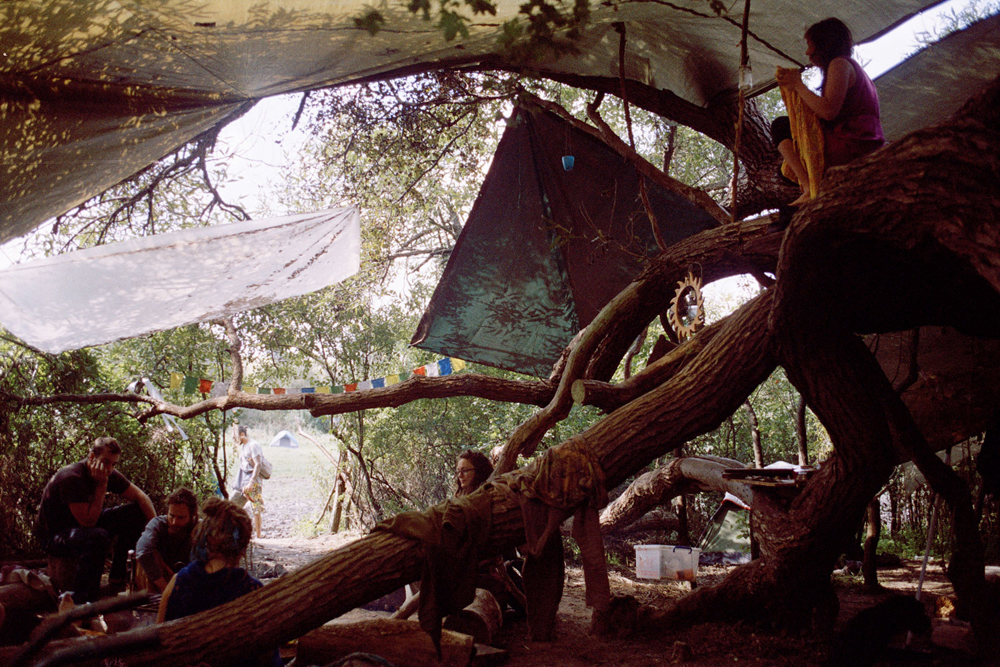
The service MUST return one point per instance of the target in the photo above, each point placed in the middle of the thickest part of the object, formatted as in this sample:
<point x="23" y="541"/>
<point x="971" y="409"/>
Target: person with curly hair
<point x="214" y="577"/>
<point x="165" y="545"/>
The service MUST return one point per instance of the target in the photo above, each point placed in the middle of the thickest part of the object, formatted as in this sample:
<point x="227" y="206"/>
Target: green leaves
<point x="453" y="25"/>
<point x="371" y="22"/>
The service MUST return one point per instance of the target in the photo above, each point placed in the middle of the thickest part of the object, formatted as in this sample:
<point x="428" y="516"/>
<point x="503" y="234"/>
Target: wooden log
<point x="398" y="641"/>
<point x="481" y="619"/>
<point x="20" y="605"/>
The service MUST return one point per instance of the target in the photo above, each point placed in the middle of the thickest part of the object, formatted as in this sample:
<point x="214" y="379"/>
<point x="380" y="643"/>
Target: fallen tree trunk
<point x="399" y="642"/>
<point x="734" y="363"/>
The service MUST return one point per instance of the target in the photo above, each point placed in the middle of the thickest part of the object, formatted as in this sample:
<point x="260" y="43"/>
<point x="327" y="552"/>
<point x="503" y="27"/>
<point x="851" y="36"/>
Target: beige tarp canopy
<point x="91" y="92"/>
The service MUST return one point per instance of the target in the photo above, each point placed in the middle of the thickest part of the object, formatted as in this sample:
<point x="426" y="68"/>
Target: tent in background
<point x="726" y="539"/>
<point x="546" y="247"/>
<point x="285" y="439"/>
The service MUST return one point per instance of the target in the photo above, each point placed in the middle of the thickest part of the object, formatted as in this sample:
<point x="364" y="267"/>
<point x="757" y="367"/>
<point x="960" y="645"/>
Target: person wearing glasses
<point x="471" y="470"/>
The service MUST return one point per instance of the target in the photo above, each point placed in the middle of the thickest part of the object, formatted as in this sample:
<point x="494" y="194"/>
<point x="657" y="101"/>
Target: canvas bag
<point x="265" y="467"/>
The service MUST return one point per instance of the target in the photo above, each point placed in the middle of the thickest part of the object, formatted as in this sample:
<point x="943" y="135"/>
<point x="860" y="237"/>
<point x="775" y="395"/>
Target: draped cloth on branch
<point x="566" y="481"/>
<point x="451" y="534"/>
<point x="154" y="283"/>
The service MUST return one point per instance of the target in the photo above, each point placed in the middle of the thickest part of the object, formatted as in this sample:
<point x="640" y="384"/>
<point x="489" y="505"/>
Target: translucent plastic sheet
<point x="161" y="282"/>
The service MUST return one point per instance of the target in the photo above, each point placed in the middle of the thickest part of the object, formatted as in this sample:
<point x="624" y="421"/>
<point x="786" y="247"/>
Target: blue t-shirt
<point x="195" y="590"/>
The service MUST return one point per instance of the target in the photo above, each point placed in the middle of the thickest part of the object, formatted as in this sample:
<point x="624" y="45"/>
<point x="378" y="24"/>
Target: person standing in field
<point x="249" y="484"/>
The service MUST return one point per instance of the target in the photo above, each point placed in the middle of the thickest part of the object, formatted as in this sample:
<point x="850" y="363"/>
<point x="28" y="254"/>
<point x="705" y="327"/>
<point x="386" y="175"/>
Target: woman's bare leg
<point x="791" y="156"/>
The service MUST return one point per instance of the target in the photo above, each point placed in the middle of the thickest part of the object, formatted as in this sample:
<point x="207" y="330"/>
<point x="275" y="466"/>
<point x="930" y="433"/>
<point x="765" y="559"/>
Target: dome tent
<point x="285" y="439"/>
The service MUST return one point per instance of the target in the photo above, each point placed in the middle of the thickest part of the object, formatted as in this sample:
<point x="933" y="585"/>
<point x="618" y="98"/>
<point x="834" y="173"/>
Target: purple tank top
<point x="856" y="130"/>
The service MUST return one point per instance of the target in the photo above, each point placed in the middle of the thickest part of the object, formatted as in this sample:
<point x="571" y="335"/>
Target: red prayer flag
<point x="205" y="386"/>
<point x="278" y="390"/>
<point x="351" y="387"/>
<point x="420" y="371"/>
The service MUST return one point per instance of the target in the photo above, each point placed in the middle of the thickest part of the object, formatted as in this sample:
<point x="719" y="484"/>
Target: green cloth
<point x="452" y="534"/>
<point x="566" y="481"/>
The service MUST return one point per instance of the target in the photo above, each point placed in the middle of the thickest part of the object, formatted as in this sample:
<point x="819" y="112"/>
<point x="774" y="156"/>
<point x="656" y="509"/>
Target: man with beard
<point x="165" y="545"/>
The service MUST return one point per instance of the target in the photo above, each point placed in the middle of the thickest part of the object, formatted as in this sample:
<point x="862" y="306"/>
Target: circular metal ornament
<point x="687" y="308"/>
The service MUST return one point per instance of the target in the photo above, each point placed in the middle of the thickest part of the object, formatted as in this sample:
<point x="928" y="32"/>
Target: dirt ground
<point x="707" y="645"/>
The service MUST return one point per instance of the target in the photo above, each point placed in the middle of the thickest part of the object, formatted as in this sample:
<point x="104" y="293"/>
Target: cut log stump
<point x="400" y="642"/>
<point x="481" y="619"/>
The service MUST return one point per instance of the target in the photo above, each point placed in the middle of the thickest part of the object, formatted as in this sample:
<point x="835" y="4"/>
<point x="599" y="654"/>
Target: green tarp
<point x="545" y="248"/>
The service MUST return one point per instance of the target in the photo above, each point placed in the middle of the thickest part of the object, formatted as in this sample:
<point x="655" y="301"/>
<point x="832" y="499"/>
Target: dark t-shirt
<point x="196" y="590"/>
<point x="156" y="539"/>
<point x="71" y="484"/>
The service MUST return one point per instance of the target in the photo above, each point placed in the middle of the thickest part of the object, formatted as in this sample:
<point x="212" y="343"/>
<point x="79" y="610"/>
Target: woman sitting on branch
<point x="847" y="108"/>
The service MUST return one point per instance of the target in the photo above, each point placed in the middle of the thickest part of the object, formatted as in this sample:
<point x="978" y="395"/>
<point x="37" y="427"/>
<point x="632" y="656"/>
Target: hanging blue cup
<point x="568" y="162"/>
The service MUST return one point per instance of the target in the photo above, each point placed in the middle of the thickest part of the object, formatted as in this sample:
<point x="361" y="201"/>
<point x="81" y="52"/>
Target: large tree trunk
<point x="711" y="387"/>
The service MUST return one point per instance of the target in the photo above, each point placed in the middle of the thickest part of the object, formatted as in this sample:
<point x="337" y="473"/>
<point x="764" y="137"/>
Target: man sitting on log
<point x="73" y="524"/>
<point x="165" y="545"/>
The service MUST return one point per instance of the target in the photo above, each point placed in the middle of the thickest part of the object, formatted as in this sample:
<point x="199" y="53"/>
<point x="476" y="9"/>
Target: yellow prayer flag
<point x="391" y="380"/>
<point x="457" y="364"/>
<point x="322" y="390"/>
<point x="176" y="380"/>
<point x="250" y="390"/>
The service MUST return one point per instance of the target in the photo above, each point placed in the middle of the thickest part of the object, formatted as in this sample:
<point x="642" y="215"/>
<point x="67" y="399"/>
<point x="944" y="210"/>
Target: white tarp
<point x="121" y="290"/>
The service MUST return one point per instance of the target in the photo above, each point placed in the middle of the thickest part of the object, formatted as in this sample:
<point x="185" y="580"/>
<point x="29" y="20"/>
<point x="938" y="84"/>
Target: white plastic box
<point x="663" y="561"/>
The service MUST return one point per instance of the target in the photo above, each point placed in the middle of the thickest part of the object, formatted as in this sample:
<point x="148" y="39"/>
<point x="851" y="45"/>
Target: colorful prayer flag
<point x="379" y="383"/>
<point x="293" y="390"/>
<point x="308" y="390"/>
<point x="351" y="387"/>
<point x="204" y="386"/>
<point x="190" y="384"/>
<point x="444" y="367"/>
<point x="420" y="371"/>
<point x="391" y="380"/>
<point x="457" y="364"/>
<point x="264" y="390"/>
<point x="322" y="390"/>
<point x="278" y="390"/>
<point x="176" y="380"/>
<point x="364" y="385"/>
<point x="431" y="370"/>
<point x="337" y="390"/>
<point x="250" y="390"/>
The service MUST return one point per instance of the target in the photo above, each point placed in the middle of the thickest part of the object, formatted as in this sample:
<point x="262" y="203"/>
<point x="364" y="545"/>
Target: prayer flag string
<point x="439" y="368"/>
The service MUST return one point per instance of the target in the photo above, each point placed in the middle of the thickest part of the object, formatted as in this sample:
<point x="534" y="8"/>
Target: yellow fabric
<point x="807" y="137"/>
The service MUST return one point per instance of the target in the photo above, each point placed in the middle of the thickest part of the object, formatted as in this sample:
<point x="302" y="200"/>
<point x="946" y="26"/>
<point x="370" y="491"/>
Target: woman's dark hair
<point x="223" y="531"/>
<point x="482" y="466"/>
<point x="184" y="496"/>
<point x="831" y="39"/>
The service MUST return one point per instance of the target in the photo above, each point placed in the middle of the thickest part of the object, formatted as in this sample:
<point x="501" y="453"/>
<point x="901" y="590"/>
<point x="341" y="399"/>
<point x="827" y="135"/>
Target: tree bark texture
<point x="658" y="487"/>
<point x="873" y="529"/>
